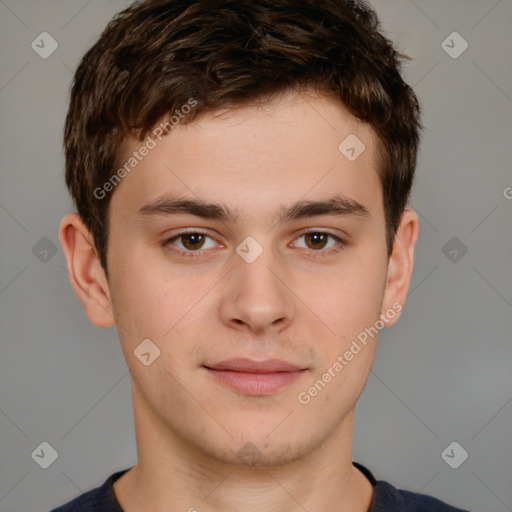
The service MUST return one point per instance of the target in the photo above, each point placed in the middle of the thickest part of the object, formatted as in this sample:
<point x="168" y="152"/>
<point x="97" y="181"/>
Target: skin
<point x="290" y="303"/>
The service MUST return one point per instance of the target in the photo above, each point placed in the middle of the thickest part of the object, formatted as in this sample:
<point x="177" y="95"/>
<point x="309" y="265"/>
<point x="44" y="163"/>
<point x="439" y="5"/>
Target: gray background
<point x="442" y="374"/>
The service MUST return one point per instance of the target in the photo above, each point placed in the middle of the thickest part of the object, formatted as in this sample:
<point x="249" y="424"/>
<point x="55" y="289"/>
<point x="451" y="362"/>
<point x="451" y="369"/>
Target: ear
<point x="400" y="267"/>
<point x="85" y="271"/>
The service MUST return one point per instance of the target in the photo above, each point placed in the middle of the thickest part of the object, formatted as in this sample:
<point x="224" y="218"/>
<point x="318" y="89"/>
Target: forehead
<point x="297" y="146"/>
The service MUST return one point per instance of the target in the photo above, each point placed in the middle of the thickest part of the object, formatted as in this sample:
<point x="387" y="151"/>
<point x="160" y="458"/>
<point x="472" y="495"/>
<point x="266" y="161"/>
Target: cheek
<point x="348" y="304"/>
<point x="147" y="299"/>
<point x="172" y="312"/>
<point x="347" y="299"/>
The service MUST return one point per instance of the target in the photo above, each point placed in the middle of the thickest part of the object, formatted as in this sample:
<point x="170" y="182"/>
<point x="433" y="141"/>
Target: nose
<point x="257" y="296"/>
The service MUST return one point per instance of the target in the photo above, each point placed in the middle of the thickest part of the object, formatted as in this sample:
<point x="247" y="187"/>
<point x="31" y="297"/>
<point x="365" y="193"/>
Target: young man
<point x="241" y="172"/>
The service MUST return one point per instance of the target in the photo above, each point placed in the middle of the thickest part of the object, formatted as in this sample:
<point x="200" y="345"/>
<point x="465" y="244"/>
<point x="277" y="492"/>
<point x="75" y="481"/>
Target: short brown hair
<point x="155" y="56"/>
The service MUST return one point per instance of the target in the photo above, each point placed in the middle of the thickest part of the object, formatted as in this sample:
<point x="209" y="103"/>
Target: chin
<point x="261" y="450"/>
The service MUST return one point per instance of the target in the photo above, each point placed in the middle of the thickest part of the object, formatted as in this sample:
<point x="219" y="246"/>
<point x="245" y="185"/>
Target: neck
<point x="174" y="475"/>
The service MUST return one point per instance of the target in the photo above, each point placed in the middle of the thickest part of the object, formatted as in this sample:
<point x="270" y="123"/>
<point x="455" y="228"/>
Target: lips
<point x="249" y="377"/>
<point x="250" y="366"/>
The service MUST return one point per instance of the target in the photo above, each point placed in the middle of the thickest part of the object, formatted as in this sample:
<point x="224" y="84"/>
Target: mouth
<point x="255" y="377"/>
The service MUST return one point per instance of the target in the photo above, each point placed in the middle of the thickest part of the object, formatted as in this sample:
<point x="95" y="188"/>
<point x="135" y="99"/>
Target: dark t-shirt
<point x="386" y="498"/>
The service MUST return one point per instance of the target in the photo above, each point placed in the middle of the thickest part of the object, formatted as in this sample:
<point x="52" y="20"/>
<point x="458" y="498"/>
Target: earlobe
<point x="85" y="271"/>
<point x="400" y="267"/>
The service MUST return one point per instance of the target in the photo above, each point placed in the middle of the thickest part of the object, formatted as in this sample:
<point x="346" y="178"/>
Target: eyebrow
<point x="337" y="205"/>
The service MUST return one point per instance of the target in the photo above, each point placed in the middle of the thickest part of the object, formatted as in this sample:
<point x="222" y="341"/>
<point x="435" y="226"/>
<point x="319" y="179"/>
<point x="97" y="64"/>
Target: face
<point x="266" y="274"/>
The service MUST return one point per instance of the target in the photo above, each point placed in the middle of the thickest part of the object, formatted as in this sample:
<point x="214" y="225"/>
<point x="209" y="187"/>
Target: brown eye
<point x="189" y="243"/>
<point x="316" y="240"/>
<point x="192" y="241"/>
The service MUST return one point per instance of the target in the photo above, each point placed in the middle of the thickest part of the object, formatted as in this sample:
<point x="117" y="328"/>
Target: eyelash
<point x="198" y="253"/>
